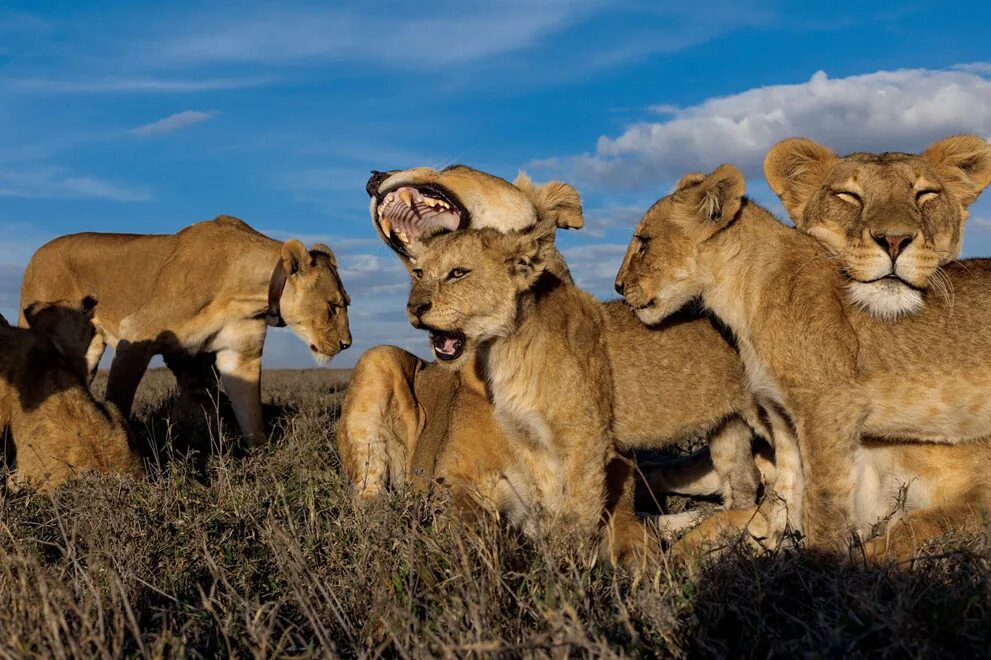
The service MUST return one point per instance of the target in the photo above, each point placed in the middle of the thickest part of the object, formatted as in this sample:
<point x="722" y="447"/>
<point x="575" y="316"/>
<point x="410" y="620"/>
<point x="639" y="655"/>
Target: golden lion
<point x="893" y="219"/>
<point x="212" y="288"/>
<point x="839" y="373"/>
<point x="404" y="418"/>
<point x="58" y="428"/>
<point x="541" y="346"/>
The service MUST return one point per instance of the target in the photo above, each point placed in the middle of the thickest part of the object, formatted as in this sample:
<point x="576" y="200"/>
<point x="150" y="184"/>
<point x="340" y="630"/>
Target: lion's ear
<point x="556" y="202"/>
<point x="795" y="169"/>
<point x="294" y="256"/>
<point x="526" y="254"/>
<point x="964" y="164"/>
<point x="320" y="248"/>
<point x="719" y="195"/>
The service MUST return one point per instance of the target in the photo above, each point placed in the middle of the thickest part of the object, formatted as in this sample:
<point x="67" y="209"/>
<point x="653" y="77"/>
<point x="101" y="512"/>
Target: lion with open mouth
<point x="406" y="421"/>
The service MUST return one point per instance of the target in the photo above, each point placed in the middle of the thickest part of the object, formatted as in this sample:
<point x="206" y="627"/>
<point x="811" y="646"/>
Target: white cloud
<point x="136" y="85"/>
<point x="54" y="182"/>
<point x="172" y="123"/>
<point x="429" y="35"/>
<point x="887" y="110"/>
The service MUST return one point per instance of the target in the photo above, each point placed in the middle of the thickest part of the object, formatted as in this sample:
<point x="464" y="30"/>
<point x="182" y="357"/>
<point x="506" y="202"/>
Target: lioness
<point x="541" y="347"/>
<point x="404" y="417"/>
<point x="211" y="288"/>
<point x="58" y="428"/>
<point x="838" y="372"/>
<point x="892" y="219"/>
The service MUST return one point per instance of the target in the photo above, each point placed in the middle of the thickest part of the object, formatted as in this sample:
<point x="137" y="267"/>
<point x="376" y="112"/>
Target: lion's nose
<point x="893" y="244"/>
<point x="345" y="344"/>
<point x="418" y="309"/>
<point x="620" y="287"/>
<point x="374" y="181"/>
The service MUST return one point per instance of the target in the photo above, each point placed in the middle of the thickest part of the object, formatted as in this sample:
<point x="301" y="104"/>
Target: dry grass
<point x="266" y="555"/>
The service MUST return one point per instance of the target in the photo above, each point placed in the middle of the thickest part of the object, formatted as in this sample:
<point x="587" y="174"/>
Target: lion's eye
<point x="849" y="197"/>
<point x="332" y="309"/>
<point x="457" y="273"/>
<point x="417" y="274"/>
<point x="642" y="247"/>
<point x="924" y="196"/>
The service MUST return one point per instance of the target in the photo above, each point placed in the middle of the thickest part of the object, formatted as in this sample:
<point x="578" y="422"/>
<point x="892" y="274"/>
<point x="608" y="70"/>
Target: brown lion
<point x="840" y="374"/>
<point x="407" y="420"/>
<point x="58" y="428"/>
<point x="892" y="219"/>
<point x="209" y="291"/>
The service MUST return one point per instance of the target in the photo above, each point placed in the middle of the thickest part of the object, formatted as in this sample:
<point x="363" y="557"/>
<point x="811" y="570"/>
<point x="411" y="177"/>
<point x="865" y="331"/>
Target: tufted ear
<point x="964" y="164"/>
<point x="294" y="257"/>
<point x="320" y="248"/>
<point x="555" y="201"/>
<point x="795" y="169"/>
<point x="719" y="195"/>
<point x="689" y="180"/>
<point x="524" y="253"/>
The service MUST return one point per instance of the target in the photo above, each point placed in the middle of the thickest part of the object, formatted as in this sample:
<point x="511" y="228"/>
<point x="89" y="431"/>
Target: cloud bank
<point x="887" y="110"/>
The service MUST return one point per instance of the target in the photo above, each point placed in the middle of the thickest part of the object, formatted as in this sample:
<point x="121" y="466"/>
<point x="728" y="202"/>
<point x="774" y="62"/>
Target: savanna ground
<point x="265" y="554"/>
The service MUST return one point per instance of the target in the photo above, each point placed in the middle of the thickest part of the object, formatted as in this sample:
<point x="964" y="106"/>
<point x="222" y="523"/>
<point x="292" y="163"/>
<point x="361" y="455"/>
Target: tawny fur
<point x="201" y="291"/>
<point x="58" y="429"/>
<point x="405" y="420"/>
<point x="884" y="213"/>
<point x="840" y="374"/>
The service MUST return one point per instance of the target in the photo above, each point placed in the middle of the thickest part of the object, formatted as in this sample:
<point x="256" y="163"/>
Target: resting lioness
<point x="893" y="219"/>
<point x="542" y="351"/>
<point x="212" y="288"/>
<point x="405" y="418"/>
<point x="839" y="373"/>
<point x="58" y="428"/>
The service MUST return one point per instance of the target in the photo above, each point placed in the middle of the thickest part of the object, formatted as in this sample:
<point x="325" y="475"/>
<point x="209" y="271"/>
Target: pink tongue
<point x="449" y="344"/>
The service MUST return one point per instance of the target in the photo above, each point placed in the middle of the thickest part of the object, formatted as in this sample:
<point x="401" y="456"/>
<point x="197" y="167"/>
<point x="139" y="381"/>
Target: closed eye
<point x="457" y="273"/>
<point x="643" y="244"/>
<point x="417" y="274"/>
<point x="924" y="196"/>
<point x="849" y="197"/>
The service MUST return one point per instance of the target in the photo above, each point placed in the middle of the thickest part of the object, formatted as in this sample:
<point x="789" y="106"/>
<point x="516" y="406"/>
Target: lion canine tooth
<point x="386" y="226"/>
<point x="407" y="198"/>
<point x="403" y="237"/>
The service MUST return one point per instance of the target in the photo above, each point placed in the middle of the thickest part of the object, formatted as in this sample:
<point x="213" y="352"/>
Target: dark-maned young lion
<point x="211" y="289"/>
<point x="58" y="428"/>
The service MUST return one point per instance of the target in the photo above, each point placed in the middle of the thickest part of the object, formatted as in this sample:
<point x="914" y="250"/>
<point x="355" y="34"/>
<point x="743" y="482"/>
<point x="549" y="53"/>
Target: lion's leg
<point x="196" y="379"/>
<point x="241" y="375"/>
<point x="732" y="458"/>
<point x="722" y="529"/>
<point x="97" y="347"/>
<point x="626" y="538"/>
<point x="787" y="485"/>
<point x="828" y="440"/>
<point x="904" y="538"/>
<point x="380" y="420"/>
<point x="130" y="363"/>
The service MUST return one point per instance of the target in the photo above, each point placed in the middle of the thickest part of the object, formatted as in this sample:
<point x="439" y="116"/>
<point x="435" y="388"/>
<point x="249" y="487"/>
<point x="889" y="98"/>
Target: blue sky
<point x="146" y="117"/>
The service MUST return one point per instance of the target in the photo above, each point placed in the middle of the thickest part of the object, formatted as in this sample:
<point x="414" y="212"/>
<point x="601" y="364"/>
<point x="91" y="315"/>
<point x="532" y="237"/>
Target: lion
<point x="542" y="350"/>
<point x="840" y="374"/>
<point x="407" y="421"/>
<point x="892" y="219"/>
<point x="59" y="430"/>
<point x="208" y="292"/>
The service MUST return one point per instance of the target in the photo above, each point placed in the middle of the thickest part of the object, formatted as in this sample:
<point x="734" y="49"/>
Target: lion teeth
<point x="403" y="237"/>
<point x="386" y="226"/>
<point x="407" y="198"/>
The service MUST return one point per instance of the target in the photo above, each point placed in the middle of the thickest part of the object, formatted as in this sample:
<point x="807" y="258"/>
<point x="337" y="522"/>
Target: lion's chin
<point x="888" y="299"/>
<point x="652" y="313"/>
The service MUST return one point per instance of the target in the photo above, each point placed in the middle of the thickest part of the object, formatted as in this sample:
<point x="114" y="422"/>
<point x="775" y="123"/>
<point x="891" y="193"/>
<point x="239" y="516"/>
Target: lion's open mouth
<point x="413" y="213"/>
<point x="448" y="345"/>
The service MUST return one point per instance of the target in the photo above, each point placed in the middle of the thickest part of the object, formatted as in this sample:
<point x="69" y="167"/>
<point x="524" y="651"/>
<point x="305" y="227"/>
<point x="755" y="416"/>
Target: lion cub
<point x="58" y="428"/>
<point x="545" y="363"/>
<point x="839" y="373"/>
